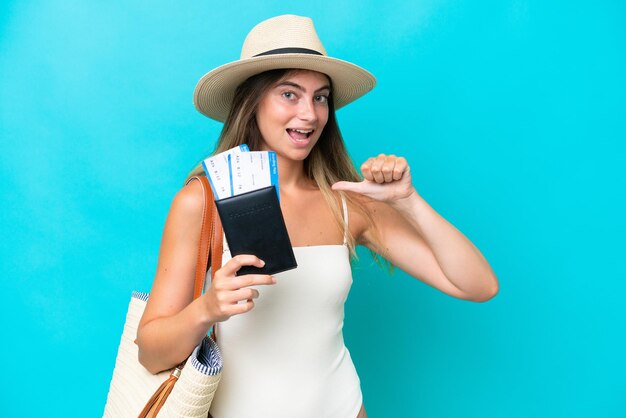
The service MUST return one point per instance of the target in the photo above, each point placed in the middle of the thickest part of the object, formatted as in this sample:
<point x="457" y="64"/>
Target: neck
<point x="291" y="174"/>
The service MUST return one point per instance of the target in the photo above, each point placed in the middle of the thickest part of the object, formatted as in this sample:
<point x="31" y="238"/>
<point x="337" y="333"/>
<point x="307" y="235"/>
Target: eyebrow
<point x="299" y="87"/>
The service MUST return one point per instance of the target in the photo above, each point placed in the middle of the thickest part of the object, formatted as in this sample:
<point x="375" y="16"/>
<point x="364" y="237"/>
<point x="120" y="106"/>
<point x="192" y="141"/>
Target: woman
<point x="281" y="336"/>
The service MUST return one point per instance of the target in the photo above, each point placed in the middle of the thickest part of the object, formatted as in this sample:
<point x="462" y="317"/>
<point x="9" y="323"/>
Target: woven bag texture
<point x="132" y="385"/>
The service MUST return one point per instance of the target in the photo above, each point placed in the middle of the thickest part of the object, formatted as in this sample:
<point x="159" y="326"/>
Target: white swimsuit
<point x="286" y="358"/>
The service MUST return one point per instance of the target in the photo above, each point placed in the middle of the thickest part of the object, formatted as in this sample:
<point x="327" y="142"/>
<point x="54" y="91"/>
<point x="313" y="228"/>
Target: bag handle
<point x="211" y="244"/>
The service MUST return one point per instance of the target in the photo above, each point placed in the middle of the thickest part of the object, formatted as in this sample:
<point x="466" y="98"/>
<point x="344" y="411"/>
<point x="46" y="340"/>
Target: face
<point x="293" y="113"/>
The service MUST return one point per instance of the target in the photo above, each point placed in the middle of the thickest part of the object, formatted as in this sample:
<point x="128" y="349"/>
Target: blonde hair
<point x="241" y="127"/>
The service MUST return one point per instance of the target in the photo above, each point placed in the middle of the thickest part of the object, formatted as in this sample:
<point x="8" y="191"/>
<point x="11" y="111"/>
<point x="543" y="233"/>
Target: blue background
<point x="510" y="112"/>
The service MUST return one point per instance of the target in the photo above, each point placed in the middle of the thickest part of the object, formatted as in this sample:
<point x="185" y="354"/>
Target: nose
<point x="306" y="110"/>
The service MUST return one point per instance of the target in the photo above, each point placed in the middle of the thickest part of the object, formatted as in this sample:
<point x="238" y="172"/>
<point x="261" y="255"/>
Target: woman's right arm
<point x="173" y="324"/>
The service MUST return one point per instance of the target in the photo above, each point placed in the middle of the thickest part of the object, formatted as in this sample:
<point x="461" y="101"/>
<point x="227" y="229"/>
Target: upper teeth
<point x="301" y="131"/>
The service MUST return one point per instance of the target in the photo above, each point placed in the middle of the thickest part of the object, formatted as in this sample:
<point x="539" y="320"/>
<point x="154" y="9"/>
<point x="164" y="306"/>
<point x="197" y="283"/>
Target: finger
<point x="247" y="280"/>
<point x="366" y="169"/>
<point x="234" y="264"/>
<point x="400" y="168"/>
<point x="376" y="169"/>
<point x="240" y="308"/>
<point x="245" y="294"/>
<point x="388" y="167"/>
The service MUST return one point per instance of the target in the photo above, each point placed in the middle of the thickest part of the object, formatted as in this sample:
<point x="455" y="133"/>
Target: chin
<point x="298" y="155"/>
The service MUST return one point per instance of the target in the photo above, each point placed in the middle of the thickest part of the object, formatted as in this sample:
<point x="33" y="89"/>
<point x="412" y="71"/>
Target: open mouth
<point x="299" y="134"/>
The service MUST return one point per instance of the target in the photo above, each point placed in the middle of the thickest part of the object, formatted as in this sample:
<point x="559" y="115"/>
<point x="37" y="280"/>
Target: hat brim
<point x="215" y="90"/>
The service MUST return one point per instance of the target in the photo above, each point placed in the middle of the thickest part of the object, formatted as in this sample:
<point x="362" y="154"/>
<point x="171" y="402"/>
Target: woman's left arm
<point x="414" y="237"/>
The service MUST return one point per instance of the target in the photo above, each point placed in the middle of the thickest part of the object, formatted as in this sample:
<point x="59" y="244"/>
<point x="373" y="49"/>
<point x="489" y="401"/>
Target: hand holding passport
<point x="245" y="186"/>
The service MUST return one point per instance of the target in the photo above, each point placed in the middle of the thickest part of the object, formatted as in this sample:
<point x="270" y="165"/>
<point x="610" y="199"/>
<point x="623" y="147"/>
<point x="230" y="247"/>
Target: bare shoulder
<point x="372" y="222"/>
<point x="364" y="212"/>
<point x="189" y="200"/>
<point x="185" y="215"/>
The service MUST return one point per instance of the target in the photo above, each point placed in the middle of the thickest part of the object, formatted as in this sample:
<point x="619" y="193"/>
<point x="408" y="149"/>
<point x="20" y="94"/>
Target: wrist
<point x="204" y="318"/>
<point x="408" y="203"/>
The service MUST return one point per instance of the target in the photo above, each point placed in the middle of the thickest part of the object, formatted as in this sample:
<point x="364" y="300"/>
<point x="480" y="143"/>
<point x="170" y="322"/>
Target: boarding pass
<point x="240" y="170"/>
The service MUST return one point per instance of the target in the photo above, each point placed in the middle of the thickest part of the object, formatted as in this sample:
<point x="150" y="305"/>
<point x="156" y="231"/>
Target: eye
<point x="321" y="98"/>
<point x="289" y="95"/>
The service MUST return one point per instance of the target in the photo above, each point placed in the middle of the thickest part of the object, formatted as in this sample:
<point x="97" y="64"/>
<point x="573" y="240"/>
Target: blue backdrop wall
<point x="510" y="112"/>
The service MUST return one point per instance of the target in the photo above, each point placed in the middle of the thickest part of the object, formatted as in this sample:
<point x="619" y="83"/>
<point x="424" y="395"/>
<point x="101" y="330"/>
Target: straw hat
<point x="286" y="41"/>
